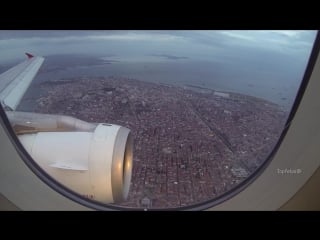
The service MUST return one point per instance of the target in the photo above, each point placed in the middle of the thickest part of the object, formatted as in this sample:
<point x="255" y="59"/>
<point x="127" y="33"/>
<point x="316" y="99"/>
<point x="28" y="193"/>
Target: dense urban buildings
<point x="191" y="144"/>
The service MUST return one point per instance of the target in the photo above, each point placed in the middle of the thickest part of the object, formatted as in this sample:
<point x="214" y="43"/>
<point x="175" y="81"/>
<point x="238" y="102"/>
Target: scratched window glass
<point x="182" y="117"/>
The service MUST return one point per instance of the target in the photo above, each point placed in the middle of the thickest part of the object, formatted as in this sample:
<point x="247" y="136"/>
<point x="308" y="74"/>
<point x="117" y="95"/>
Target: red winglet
<point x="29" y="55"/>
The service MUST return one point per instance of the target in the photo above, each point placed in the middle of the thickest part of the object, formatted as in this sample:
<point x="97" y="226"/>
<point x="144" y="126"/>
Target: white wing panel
<point x="15" y="82"/>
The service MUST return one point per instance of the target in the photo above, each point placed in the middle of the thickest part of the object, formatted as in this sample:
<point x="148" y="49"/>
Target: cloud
<point x="66" y="36"/>
<point x="239" y="35"/>
<point x="136" y="37"/>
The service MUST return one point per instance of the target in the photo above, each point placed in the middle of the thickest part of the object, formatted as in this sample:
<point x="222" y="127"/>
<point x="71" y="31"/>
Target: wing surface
<point x="15" y="81"/>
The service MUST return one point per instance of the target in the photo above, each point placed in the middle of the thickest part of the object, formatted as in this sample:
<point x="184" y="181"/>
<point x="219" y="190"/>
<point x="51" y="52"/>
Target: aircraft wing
<point x="15" y="81"/>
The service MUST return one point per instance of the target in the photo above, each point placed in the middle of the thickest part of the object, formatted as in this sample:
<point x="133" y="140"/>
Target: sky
<point x="211" y="45"/>
<point x="268" y="64"/>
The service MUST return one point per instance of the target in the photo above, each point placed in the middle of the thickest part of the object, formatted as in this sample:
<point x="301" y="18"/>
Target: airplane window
<point x="151" y="119"/>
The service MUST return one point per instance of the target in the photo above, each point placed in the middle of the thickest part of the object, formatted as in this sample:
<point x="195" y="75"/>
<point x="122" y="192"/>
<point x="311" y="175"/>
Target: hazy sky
<point x="272" y="61"/>
<point x="212" y="45"/>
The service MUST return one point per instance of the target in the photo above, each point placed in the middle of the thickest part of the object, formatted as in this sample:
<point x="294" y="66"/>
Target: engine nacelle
<point x="96" y="164"/>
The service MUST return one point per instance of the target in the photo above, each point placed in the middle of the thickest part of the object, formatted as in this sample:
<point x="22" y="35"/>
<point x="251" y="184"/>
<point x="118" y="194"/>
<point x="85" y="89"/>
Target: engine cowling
<point x="96" y="164"/>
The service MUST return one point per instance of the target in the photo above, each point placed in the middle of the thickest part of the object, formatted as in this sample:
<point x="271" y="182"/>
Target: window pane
<point x="204" y="108"/>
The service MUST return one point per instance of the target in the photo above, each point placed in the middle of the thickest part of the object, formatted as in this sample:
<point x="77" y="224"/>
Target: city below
<point x="191" y="144"/>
